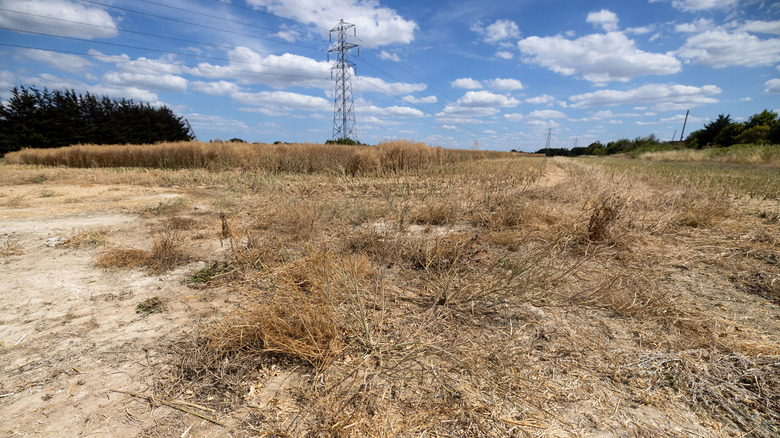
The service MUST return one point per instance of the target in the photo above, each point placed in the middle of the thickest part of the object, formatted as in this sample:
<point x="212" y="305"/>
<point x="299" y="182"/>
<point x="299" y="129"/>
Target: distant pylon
<point x="549" y="136"/>
<point x="343" y="109"/>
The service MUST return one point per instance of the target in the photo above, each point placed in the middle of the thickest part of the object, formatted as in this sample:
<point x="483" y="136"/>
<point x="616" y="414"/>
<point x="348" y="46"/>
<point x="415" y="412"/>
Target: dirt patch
<point x="70" y="332"/>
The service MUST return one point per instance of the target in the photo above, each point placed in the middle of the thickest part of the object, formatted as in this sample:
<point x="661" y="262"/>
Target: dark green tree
<point x="728" y="135"/>
<point x="706" y="136"/>
<point x="33" y="118"/>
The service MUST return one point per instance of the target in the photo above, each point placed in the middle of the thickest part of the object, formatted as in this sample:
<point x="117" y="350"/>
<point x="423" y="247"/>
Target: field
<point x="299" y="290"/>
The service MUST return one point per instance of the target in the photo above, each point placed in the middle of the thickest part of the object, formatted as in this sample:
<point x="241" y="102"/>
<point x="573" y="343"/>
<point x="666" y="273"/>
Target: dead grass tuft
<point x="87" y="239"/>
<point x="11" y="248"/>
<point x="123" y="258"/>
<point x="603" y="214"/>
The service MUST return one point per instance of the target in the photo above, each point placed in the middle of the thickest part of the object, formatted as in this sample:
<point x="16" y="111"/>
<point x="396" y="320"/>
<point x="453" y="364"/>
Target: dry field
<point x="453" y="294"/>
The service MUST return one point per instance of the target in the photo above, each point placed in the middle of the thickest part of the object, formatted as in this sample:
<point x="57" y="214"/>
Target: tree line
<point x="33" y="118"/>
<point x="763" y="127"/>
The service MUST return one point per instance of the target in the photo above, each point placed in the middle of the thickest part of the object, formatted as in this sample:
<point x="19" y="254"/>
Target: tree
<point x="595" y="148"/>
<point x="755" y="135"/>
<point x="34" y="119"/>
<point x="764" y="118"/>
<point x="706" y="136"/>
<point x="728" y="135"/>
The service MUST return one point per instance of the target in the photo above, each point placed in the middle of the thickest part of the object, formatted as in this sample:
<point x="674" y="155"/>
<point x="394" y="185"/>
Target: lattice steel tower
<point x="343" y="109"/>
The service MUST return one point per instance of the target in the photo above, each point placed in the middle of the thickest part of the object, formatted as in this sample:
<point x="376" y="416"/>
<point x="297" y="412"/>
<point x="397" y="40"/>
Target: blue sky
<point x="449" y="73"/>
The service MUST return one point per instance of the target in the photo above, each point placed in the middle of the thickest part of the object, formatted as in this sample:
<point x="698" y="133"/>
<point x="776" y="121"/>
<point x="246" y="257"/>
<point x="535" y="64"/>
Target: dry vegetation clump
<point x="167" y="253"/>
<point x="87" y="239"/>
<point x="11" y="248"/>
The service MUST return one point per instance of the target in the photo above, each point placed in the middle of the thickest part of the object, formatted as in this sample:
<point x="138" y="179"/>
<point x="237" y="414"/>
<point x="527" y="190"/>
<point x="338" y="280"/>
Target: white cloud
<point x="287" y="34"/>
<point x="166" y="82"/>
<point x="370" y="84"/>
<point x="393" y="111"/>
<point x="111" y="90"/>
<point x="63" y="12"/>
<point x="283" y="101"/>
<point x="500" y="30"/>
<point x="489" y="131"/>
<point x="606" y="114"/>
<point x="701" y="5"/>
<point x="772" y="86"/>
<point x="605" y="19"/>
<point x="514" y="117"/>
<point x="450" y="127"/>
<point x="218" y="88"/>
<point x="466" y="83"/>
<point x="719" y="48"/>
<point x="700" y="25"/>
<point x="598" y="58"/>
<point x="663" y="96"/>
<point x="426" y="99"/>
<point x="216" y="123"/>
<point x="486" y="99"/>
<point x="504" y="54"/>
<point x="477" y="104"/>
<point x="62" y="61"/>
<point x="380" y="25"/>
<point x="545" y="98"/>
<point x="279" y="71"/>
<point x="546" y="114"/>
<point x="505" y="84"/>
<point x="642" y="30"/>
<point x="768" y="27"/>
<point x="389" y="56"/>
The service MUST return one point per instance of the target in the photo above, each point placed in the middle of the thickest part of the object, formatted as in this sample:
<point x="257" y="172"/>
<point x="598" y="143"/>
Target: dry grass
<point x="11" y="248"/>
<point x="740" y="154"/>
<point x="166" y="254"/>
<point x="501" y="297"/>
<point x="87" y="239"/>
<point x="387" y="157"/>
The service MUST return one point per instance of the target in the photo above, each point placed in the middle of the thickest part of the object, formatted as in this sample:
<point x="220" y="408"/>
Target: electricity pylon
<point x="343" y="109"/>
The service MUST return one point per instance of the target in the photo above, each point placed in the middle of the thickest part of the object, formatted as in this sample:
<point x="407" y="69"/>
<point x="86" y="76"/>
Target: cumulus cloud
<point x="216" y="123"/>
<point x="544" y="98"/>
<point x="514" y="117"/>
<point x="768" y="27"/>
<point x="166" y="82"/>
<point x="719" y="48"/>
<point x="546" y="114"/>
<point x="604" y="19"/>
<point x="478" y="104"/>
<point x="392" y="111"/>
<point x="500" y="30"/>
<point x="218" y="88"/>
<point x="504" y="54"/>
<point x="426" y="99"/>
<point x="62" y="61"/>
<point x="368" y="83"/>
<point x="597" y="58"/>
<point x="701" y="5"/>
<point x="466" y="83"/>
<point x="772" y="86"/>
<point x="389" y="56"/>
<point x="64" y="14"/>
<point x="283" y="101"/>
<point x="505" y="84"/>
<point x="663" y="97"/>
<point x="380" y="25"/>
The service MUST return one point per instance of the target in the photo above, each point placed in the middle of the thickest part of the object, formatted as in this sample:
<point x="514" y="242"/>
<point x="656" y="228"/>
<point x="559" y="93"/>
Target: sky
<point x="496" y="75"/>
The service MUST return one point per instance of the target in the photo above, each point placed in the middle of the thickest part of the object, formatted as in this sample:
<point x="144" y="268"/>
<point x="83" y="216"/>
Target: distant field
<point x="403" y="290"/>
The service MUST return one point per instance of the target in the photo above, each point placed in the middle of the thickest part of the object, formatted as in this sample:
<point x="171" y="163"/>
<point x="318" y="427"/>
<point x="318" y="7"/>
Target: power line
<point x="167" y="52"/>
<point x="120" y="58"/>
<point x="276" y="16"/>
<point x="201" y="25"/>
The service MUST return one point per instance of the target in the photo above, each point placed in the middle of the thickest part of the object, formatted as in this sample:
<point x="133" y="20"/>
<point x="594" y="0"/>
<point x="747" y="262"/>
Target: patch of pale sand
<point x="70" y="332"/>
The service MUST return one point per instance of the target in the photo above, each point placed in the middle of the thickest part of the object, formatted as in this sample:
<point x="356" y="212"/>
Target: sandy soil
<point x="70" y="333"/>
